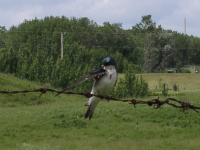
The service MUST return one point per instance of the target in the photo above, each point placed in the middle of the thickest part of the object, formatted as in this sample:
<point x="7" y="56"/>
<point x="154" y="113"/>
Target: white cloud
<point x="28" y="14"/>
<point x="187" y="9"/>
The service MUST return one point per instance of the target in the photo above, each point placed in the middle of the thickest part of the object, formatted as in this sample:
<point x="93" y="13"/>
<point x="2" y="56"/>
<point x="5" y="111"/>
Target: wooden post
<point x="185" y="25"/>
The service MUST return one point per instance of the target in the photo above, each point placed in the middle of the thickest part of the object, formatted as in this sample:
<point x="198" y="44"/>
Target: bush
<point x="186" y="71"/>
<point x="175" y="87"/>
<point x="164" y="90"/>
<point x="131" y="86"/>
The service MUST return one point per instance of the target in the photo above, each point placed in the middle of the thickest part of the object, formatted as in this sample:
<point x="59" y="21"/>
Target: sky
<point x="169" y="14"/>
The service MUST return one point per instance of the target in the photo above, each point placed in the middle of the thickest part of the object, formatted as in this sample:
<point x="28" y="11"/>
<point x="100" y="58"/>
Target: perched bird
<point x="104" y="80"/>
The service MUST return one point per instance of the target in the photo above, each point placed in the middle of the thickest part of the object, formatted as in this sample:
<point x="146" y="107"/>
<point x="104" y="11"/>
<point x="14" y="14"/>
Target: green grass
<point x="187" y="82"/>
<point x="48" y="122"/>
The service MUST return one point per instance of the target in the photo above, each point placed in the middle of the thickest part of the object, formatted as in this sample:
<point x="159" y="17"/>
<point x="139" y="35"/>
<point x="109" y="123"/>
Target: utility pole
<point x="185" y="25"/>
<point x="61" y="45"/>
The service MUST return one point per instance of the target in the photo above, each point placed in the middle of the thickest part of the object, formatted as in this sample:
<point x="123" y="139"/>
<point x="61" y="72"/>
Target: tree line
<point x="32" y="50"/>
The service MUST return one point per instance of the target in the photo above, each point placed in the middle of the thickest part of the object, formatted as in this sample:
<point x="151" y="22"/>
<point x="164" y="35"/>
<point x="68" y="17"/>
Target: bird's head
<point x="108" y="61"/>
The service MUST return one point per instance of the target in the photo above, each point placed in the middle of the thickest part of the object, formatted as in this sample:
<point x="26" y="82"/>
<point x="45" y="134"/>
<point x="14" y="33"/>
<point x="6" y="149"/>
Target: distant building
<point x="170" y="70"/>
<point x="191" y="68"/>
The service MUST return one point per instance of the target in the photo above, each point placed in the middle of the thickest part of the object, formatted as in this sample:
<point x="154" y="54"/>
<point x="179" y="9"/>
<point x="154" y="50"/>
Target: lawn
<point x="48" y="122"/>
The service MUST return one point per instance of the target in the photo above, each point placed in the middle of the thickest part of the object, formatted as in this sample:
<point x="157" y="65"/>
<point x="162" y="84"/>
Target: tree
<point x="145" y="25"/>
<point x="2" y="36"/>
<point x="150" y="56"/>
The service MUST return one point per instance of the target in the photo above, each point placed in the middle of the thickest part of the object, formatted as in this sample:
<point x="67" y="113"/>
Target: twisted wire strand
<point x="156" y="103"/>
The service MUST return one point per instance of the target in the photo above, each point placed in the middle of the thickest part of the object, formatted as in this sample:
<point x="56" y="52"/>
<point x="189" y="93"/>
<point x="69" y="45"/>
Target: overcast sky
<point x="169" y="14"/>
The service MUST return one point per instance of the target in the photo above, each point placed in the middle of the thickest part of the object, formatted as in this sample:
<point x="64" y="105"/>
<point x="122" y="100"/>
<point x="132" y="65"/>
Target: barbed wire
<point x="156" y="103"/>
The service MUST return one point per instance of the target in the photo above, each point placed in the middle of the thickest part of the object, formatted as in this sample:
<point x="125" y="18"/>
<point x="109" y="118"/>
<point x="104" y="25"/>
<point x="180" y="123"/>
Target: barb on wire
<point x="155" y="102"/>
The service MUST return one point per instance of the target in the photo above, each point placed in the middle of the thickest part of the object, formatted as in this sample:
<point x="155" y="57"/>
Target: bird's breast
<point x="103" y="85"/>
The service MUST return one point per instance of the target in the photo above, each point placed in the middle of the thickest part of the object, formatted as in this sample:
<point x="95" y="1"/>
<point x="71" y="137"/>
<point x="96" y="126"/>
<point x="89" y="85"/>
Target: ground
<point x="48" y="122"/>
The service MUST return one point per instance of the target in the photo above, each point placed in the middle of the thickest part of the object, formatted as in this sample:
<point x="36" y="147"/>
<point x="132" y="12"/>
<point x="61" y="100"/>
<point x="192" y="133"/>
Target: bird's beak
<point x="102" y="66"/>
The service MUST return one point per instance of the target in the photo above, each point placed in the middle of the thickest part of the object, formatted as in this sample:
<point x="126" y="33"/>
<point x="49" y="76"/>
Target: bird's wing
<point x="94" y="74"/>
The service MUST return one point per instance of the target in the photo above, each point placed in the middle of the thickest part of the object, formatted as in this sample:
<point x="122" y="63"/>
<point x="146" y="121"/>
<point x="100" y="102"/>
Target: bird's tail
<point x="91" y="108"/>
<point x="89" y="113"/>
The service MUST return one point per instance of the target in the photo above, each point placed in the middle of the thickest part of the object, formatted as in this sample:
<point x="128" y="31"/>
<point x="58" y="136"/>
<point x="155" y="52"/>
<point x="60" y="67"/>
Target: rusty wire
<point x="155" y="102"/>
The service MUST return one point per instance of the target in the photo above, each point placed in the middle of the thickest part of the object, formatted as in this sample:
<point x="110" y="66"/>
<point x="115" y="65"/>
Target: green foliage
<point x="164" y="90"/>
<point x="186" y="71"/>
<point x="160" y="83"/>
<point x="146" y="24"/>
<point x="131" y="86"/>
<point x="175" y="87"/>
<point x="32" y="50"/>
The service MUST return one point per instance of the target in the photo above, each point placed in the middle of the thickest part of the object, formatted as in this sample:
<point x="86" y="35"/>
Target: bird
<point x="104" y="80"/>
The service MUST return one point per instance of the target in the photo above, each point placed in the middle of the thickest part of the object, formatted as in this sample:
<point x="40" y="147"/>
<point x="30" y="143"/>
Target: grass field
<point x="30" y="122"/>
<point x="187" y="82"/>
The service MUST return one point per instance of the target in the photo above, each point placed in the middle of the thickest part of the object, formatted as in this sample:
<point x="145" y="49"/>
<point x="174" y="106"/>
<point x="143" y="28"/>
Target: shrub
<point x="186" y="71"/>
<point x="164" y="90"/>
<point x="175" y="87"/>
<point x="131" y="86"/>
